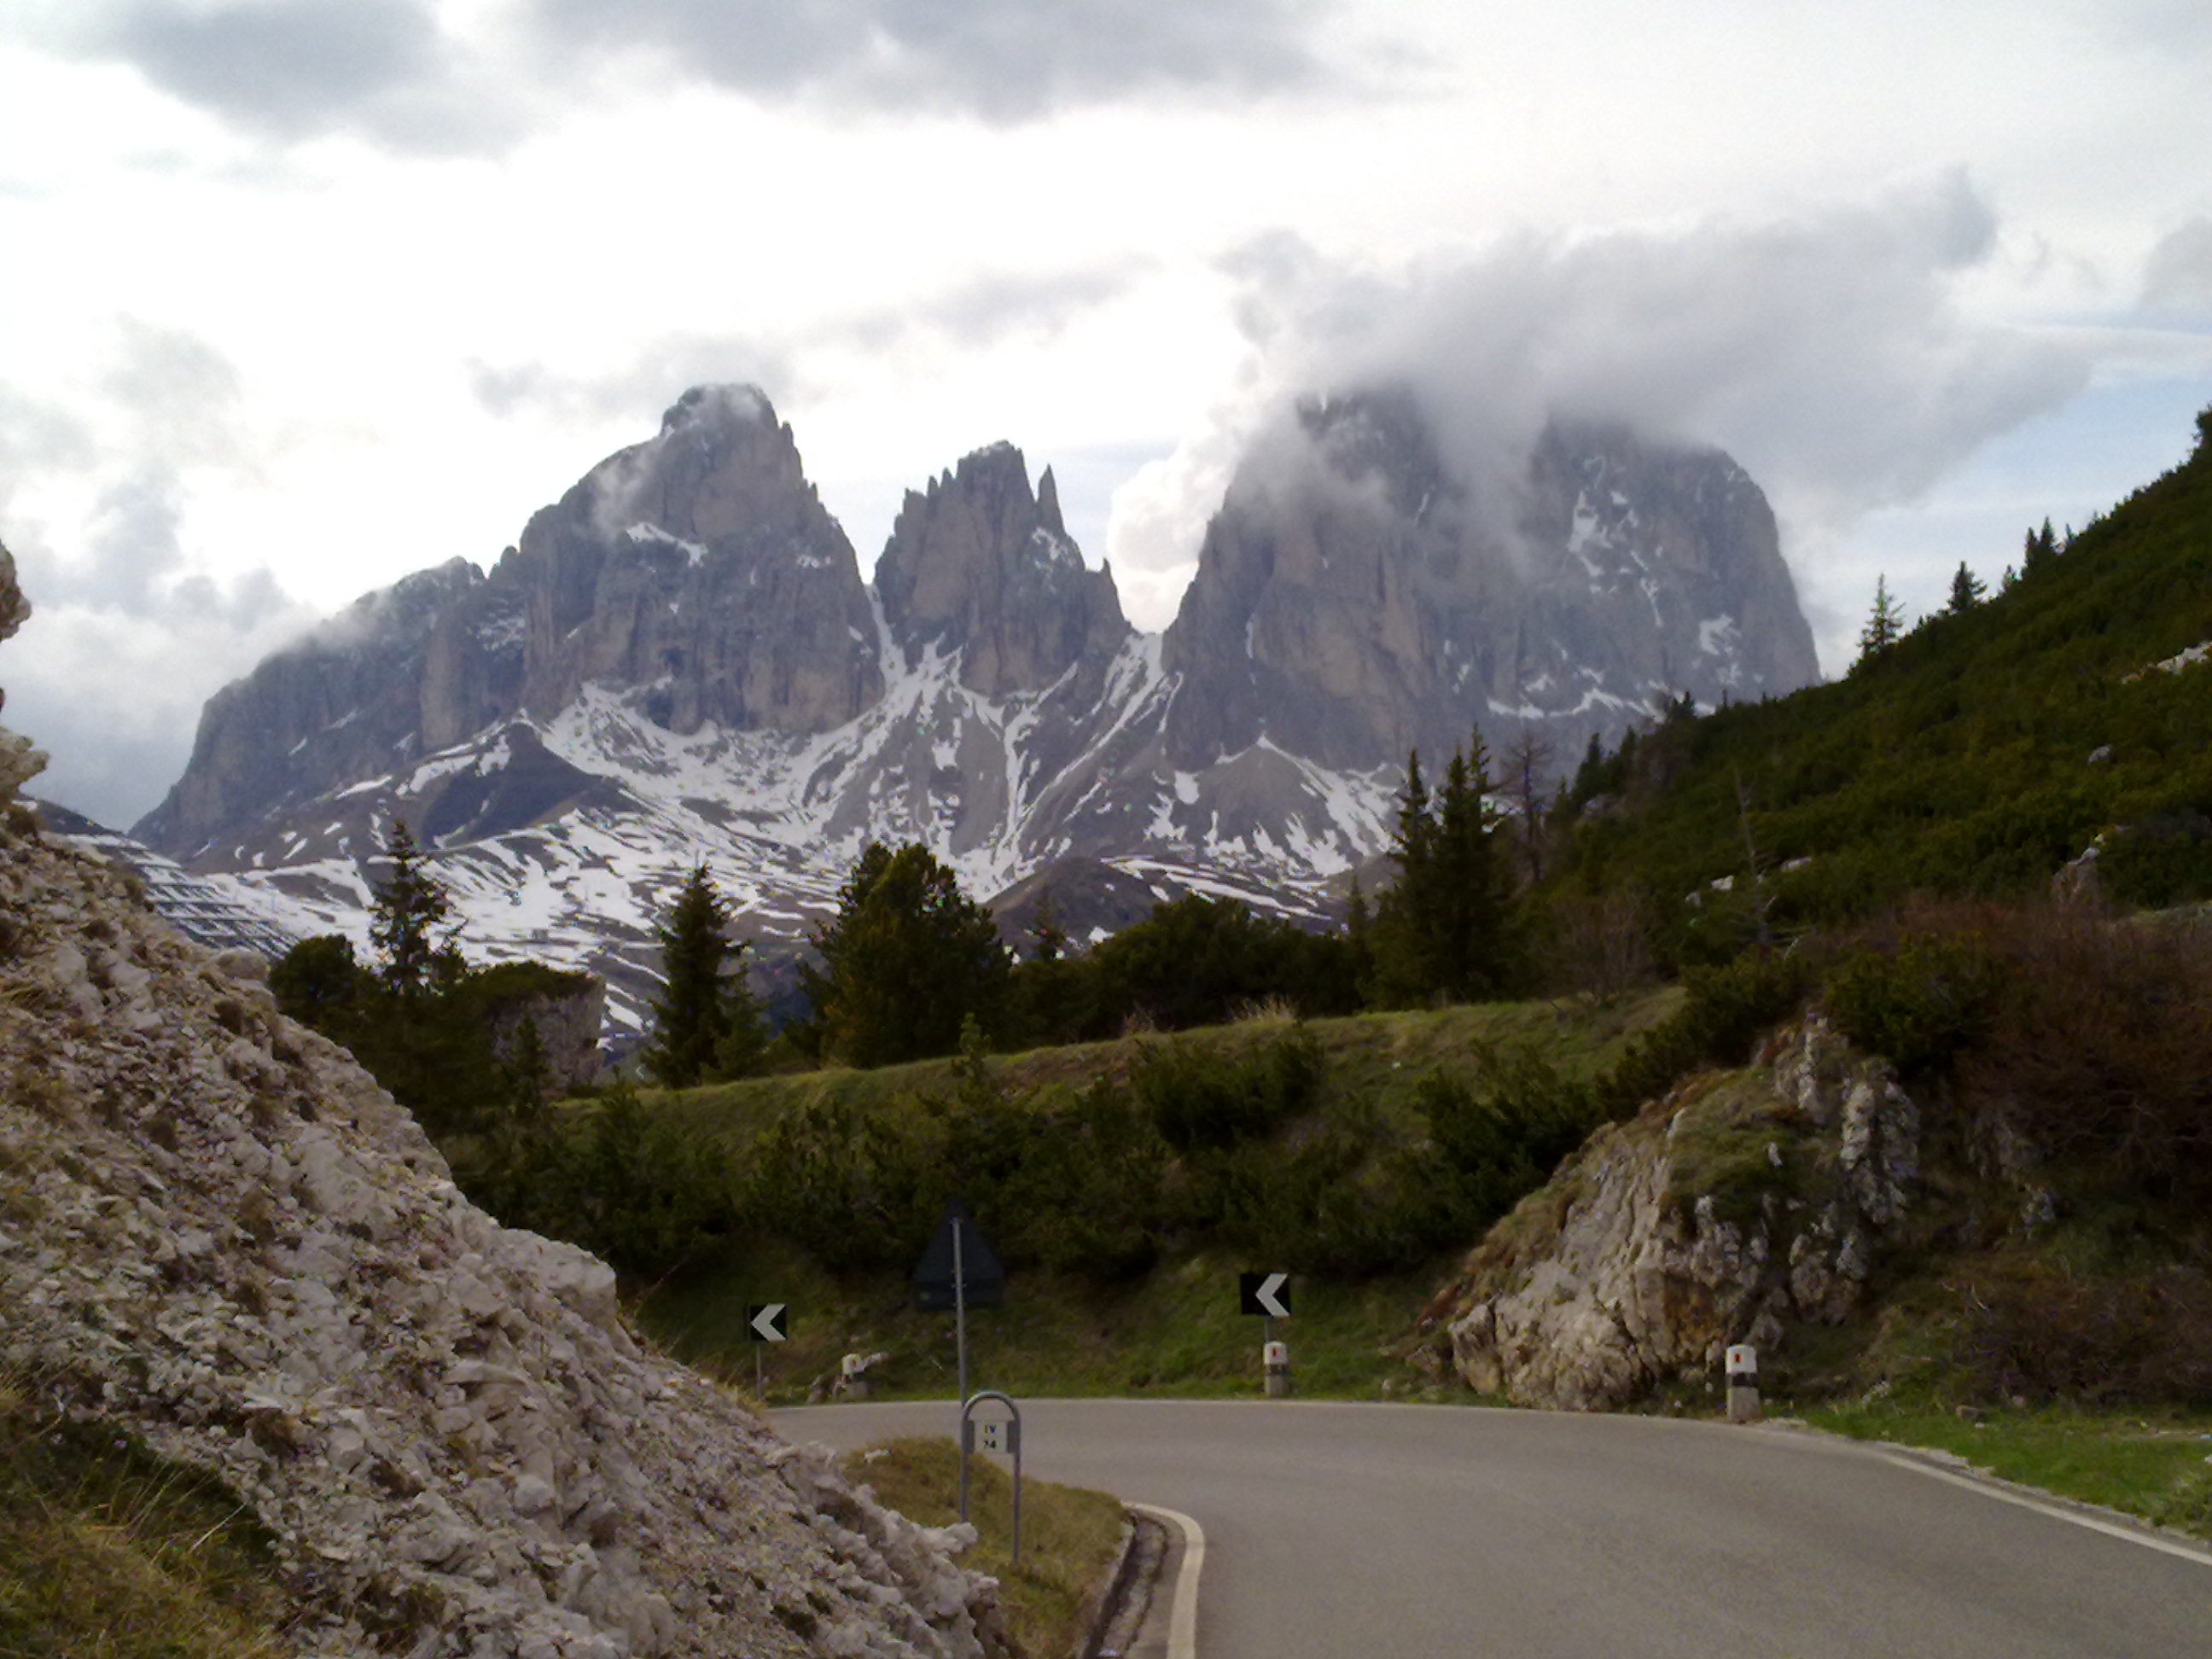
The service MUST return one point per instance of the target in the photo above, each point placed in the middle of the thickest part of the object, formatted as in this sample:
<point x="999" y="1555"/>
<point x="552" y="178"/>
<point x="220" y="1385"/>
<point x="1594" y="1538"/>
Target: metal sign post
<point x="765" y="1323"/>
<point x="1268" y="1296"/>
<point x="997" y="1436"/>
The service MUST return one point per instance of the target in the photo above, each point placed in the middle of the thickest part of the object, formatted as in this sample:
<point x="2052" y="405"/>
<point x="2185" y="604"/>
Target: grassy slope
<point x="1175" y="1331"/>
<point x="2155" y="1464"/>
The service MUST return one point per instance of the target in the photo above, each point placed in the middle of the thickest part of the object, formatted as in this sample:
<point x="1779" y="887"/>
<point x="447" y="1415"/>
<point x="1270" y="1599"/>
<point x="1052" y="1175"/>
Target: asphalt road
<point x="1405" y="1532"/>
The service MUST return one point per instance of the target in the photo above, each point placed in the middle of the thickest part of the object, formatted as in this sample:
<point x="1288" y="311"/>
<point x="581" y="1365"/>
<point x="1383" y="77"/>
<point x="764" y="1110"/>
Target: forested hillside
<point x="1977" y="754"/>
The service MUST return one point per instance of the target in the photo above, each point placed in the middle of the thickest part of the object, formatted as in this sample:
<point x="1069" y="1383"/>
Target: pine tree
<point x="407" y="906"/>
<point x="1048" y="941"/>
<point x="905" y="960"/>
<point x="1885" y="624"/>
<point x="1403" y="972"/>
<point x="1445" y="929"/>
<point x="1966" y="590"/>
<point x="1472" y="882"/>
<point x="705" y="1024"/>
<point x="2042" y="547"/>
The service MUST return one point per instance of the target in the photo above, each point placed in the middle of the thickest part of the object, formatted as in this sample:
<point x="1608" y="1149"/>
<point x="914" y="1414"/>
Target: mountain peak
<point x="980" y="564"/>
<point x="719" y="405"/>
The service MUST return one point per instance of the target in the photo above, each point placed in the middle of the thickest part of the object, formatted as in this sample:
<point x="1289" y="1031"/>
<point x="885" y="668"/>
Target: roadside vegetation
<point x="2155" y="1464"/>
<point x="106" y="1552"/>
<point x="1071" y="1537"/>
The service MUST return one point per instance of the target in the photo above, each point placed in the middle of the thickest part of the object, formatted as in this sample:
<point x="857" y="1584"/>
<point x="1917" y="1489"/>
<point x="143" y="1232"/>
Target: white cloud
<point x="1826" y="350"/>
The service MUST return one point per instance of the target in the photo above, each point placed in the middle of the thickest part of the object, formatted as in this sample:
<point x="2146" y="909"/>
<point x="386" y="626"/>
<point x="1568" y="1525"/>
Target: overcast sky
<point x="297" y="296"/>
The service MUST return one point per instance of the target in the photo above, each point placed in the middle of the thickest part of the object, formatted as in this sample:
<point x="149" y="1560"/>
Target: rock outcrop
<point x="220" y="1238"/>
<point x="1742" y="1204"/>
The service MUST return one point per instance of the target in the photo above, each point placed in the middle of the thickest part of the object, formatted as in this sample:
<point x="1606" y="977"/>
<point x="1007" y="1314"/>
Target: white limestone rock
<point x="1742" y="1203"/>
<point x="221" y="1236"/>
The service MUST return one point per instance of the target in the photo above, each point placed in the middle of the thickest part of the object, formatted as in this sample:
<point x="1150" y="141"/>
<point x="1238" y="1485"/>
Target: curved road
<point x="1408" y="1532"/>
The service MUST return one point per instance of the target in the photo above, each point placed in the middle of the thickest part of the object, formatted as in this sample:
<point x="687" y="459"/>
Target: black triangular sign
<point x="979" y="1265"/>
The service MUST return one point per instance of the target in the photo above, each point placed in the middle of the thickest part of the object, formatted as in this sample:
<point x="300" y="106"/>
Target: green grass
<point x="1174" y="1331"/>
<point x="2157" y="1465"/>
<point x="1071" y="1537"/>
<point x="1177" y="1332"/>
<point x="1375" y="1058"/>
<point x="108" y="1552"/>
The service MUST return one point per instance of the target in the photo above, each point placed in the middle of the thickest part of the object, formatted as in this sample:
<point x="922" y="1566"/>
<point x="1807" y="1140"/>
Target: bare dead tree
<point x="1527" y="764"/>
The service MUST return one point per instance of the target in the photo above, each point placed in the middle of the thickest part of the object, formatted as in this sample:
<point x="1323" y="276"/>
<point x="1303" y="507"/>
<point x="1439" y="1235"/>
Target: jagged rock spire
<point x="978" y="565"/>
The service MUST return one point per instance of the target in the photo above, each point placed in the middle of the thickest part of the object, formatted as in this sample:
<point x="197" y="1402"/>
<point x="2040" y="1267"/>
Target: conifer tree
<point x="1445" y="929"/>
<point x="706" y="1025"/>
<point x="1966" y="590"/>
<point x="1048" y="941"/>
<point x="408" y="905"/>
<point x="2041" y="548"/>
<point x="1885" y="623"/>
<point x="905" y="960"/>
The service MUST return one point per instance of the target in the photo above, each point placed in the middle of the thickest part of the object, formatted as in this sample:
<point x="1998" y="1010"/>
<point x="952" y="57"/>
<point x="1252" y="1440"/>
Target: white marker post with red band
<point x="1743" y="1383"/>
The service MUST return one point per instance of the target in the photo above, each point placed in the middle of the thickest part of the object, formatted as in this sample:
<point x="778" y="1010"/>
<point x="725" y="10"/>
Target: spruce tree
<point x="741" y="1049"/>
<point x="905" y="960"/>
<point x="1403" y="971"/>
<point x="1472" y="885"/>
<point x="408" y="905"/>
<point x="1445" y="929"/>
<point x="1885" y="623"/>
<point x="706" y="1025"/>
<point x="1966" y="590"/>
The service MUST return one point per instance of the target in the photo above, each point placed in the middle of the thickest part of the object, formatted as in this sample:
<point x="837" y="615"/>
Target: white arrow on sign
<point x="1270" y="1303"/>
<point x="768" y="1322"/>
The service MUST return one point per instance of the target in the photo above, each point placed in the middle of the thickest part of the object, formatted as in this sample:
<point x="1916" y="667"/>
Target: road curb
<point x="1182" y="1614"/>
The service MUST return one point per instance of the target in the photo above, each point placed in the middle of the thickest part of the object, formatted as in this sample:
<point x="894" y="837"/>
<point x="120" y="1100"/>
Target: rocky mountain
<point x="679" y="663"/>
<point x="1355" y="600"/>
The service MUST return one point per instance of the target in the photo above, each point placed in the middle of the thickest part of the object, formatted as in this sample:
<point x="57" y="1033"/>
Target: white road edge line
<point x="1991" y="1489"/>
<point x="1182" y="1618"/>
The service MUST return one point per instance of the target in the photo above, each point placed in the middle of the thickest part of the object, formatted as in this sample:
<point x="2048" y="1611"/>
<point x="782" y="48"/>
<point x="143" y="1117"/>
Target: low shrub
<point x="1726" y="1010"/>
<point x="1202" y="1099"/>
<point x="1919" y="1003"/>
<point x="2033" y="1329"/>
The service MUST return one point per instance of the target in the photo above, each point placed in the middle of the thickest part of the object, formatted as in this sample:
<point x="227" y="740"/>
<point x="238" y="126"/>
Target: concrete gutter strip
<point x="1121" y="1593"/>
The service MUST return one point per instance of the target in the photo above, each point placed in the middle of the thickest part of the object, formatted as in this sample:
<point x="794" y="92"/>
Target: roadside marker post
<point x="960" y="1270"/>
<point x="1742" y="1383"/>
<point x="1002" y="1434"/>
<point x="1268" y="1296"/>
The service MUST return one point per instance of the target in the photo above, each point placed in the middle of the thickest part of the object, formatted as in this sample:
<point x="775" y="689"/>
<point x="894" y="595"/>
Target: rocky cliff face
<point x="1356" y="598"/>
<point x="978" y="565"/>
<point x="703" y="565"/>
<point x="699" y="569"/>
<point x="219" y="1238"/>
<point x="1742" y="1204"/>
